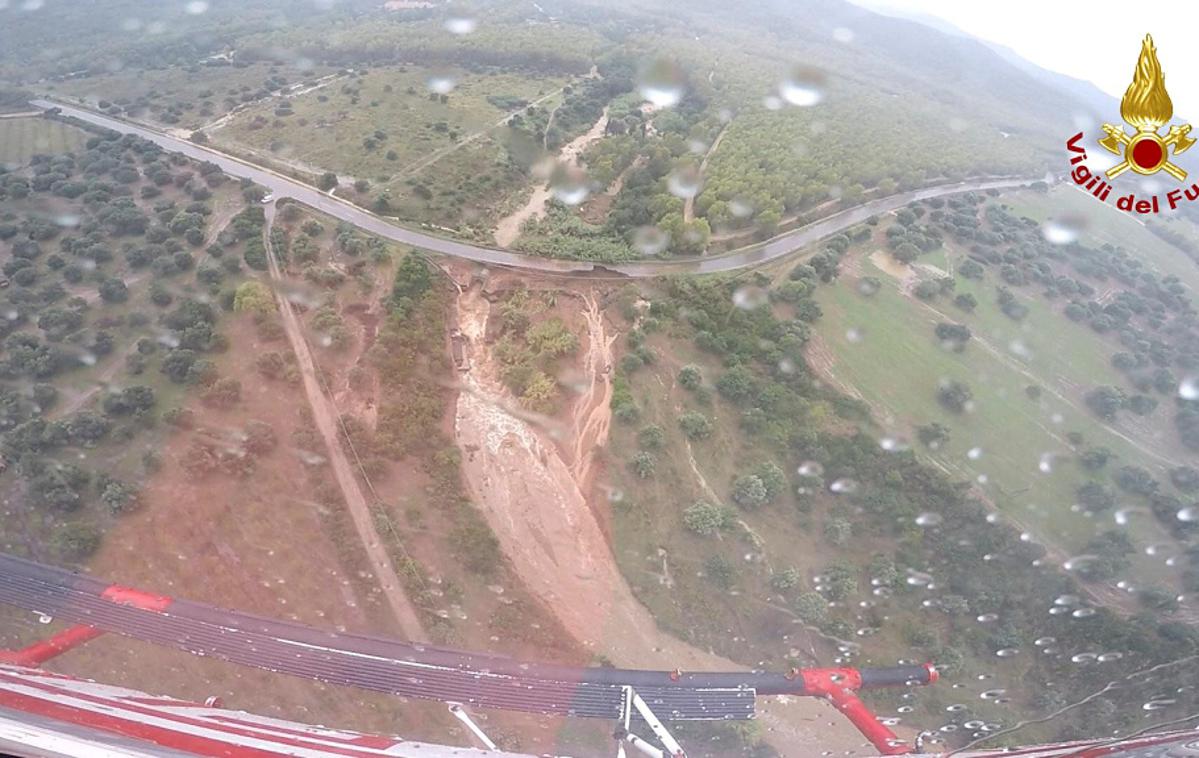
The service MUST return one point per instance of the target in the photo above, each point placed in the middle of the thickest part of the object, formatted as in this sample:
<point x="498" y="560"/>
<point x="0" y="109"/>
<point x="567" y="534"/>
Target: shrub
<point x="749" y="491"/>
<point x="695" y="425"/>
<point x="706" y="519"/>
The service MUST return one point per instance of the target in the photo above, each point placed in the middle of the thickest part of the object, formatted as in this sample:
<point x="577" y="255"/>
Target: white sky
<point x="1093" y="40"/>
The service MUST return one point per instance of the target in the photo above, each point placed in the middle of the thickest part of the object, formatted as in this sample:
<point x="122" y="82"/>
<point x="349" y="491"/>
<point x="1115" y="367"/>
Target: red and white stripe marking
<point x="96" y="712"/>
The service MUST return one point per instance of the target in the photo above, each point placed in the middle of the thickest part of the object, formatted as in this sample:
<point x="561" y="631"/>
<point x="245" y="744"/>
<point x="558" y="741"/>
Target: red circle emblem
<point x="1147" y="154"/>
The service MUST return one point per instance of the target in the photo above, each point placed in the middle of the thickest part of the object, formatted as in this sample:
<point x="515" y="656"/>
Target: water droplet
<point x="1190" y="513"/>
<point x="460" y="25"/>
<point x="1124" y="515"/>
<point x="196" y="7"/>
<point x="1083" y="657"/>
<point x="1007" y="652"/>
<point x="741" y="208"/>
<point x="986" y="618"/>
<point x="662" y="83"/>
<point x="1063" y="230"/>
<point x="810" y="468"/>
<point x="992" y="694"/>
<point x="1078" y="561"/>
<point x="893" y="444"/>
<point x="650" y="240"/>
<point x="1043" y="641"/>
<point x="750" y="297"/>
<point x="843" y="486"/>
<point x="1082" y="613"/>
<point x="803" y="86"/>
<point x="1188" y="389"/>
<point x="1066" y="600"/>
<point x="442" y="85"/>
<point x="1106" y="657"/>
<point x="853" y="334"/>
<point x="919" y="578"/>
<point x="929" y="519"/>
<point x="974" y="453"/>
<point x="1045" y="465"/>
<point x="868" y="286"/>
<point x="685" y="181"/>
<point x="569" y="184"/>
<point x="1154" y="705"/>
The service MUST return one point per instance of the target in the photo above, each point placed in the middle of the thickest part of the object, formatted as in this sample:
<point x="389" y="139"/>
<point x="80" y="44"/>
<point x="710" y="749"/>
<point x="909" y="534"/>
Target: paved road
<point x="754" y="255"/>
<point x="395" y="667"/>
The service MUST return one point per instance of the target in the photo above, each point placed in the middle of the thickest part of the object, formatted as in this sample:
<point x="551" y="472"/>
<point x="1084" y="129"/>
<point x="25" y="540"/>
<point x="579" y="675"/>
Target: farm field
<point x="22" y="138"/>
<point x="328" y="128"/>
<point x="883" y="347"/>
<point x="186" y="98"/>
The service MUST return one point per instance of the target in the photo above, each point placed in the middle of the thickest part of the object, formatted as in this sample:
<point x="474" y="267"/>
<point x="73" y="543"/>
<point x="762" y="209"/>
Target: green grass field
<point x="1105" y="224"/>
<point x="175" y="86"/>
<point x="22" y="138"/>
<point x="884" y="348"/>
<point x="396" y="101"/>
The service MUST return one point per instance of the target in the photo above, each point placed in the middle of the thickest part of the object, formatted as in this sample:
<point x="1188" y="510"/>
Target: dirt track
<point x="531" y="497"/>
<point x="327" y="421"/>
<point x="508" y="228"/>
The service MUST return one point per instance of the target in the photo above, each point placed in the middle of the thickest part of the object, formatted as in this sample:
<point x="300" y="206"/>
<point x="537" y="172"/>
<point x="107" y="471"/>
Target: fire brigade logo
<point x="1146" y="107"/>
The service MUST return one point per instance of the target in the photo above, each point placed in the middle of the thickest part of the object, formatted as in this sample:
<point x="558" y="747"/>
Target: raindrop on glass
<point x="810" y="468"/>
<point x="650" y="240"/>
<point x="750" y="297"/>
<point x="568" y="185"/>
<point x="685" y="181"/>
<point x="803" y="86"/>
<point x="459" y="25"/>
<point x="1188" y="389"/>
<point x="1063" y="230"/>
<point x="662" y="83"/>
<point x="843" y="486"/>
<point x="442" y="85"/>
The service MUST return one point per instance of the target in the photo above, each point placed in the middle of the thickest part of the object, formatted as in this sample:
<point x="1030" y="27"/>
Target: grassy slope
<point x="407" y="119"/>
<point x="898" y="362"/>
<point x="21" y="138"/>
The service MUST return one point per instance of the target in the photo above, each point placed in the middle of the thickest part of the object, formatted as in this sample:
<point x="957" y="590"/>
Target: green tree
<point x="643" y="464"/>
<point x="690" y="377"/>
<point x="253" y="296"/>
<point x="749" y="491"/>
<point x="706" y="519"/>
<point x="695" y="425"/>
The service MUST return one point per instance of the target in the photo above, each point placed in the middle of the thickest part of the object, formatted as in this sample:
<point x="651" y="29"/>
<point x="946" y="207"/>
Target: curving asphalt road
<point x="753" y="255"/>
<point x="395" y="667"/>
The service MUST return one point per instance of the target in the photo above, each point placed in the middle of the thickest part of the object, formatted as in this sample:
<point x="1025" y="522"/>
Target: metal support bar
<point x="626" y="713"/>
<point x="461" y="714"/>
<point x="644" y="747"/>
<point x="40" y="652"/>
<point x="631" y="701"/>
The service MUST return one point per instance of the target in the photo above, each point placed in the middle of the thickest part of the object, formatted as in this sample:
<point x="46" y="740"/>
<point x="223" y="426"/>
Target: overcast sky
<point x="1092" y="40"/>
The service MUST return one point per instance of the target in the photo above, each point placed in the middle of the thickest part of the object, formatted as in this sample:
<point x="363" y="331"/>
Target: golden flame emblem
<point x="1147" y="107"/>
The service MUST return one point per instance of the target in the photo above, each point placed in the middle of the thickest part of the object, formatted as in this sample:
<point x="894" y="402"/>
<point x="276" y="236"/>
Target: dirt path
<point x="295" y="90"/>
<point x="102" y="381"/>
<point x="437" y="155"/>
<point x="508" y="228"/>
<point x="689" y="203"/>
<point x="328" y="421"/>
<point x="531" y="499"/>
<point x="592" y="414"/>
